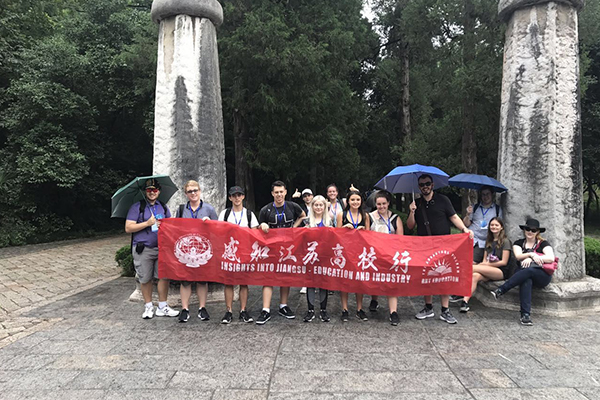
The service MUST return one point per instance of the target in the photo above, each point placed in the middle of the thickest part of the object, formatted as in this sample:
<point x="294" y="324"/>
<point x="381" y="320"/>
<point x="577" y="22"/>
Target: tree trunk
<point x="469" y="144"/>
<point x="405" y="103"/>
<point x="243" y="172"/>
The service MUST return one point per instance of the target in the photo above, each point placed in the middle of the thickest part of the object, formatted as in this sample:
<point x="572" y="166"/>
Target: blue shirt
<point x="146" y="236"/>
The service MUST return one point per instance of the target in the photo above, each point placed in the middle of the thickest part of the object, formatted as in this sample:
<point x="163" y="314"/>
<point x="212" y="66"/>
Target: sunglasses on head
<point x="192" y="191"/>
<point x="423" y="184"/>
<point x="532" y="230"/>
<point x="151" y="190"/>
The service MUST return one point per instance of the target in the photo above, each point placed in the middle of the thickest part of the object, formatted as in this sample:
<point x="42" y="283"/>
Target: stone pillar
<point x="188" y="124"/>
<point x="539" y="156"/>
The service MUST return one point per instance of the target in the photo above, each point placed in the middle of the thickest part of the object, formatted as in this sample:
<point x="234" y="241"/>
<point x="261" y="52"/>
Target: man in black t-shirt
<point x="279" y="214"/>
<point x="433" y="215"/>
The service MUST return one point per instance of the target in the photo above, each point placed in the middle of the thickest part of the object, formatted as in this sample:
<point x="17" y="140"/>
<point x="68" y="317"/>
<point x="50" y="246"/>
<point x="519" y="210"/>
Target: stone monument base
<point x="215" y="294"/>
<point x="561" y="299"/>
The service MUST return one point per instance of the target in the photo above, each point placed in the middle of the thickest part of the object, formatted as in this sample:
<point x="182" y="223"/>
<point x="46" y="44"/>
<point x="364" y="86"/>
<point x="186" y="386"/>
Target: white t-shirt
<point x="241" y="220"/>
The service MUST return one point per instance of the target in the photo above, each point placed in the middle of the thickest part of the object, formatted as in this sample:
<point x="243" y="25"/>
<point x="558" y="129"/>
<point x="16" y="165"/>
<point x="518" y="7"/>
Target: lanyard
<point x="334" y="209"/>
<point x="282" y="215"/>
<point x="486" y="211"/>
<point x="194" y="215"/>
<point x="355" y="225"/>
<point x="235" y="218"/>
<point x="388" y="222"/>
<point x="320" y="224"/>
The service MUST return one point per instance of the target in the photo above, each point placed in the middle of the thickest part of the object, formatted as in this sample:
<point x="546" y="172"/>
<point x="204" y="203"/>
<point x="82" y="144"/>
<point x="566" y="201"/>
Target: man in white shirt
<point x="244" y="218"/>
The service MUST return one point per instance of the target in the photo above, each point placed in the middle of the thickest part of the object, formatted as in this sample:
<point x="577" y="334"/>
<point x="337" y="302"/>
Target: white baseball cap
<point x="307" y="191"/>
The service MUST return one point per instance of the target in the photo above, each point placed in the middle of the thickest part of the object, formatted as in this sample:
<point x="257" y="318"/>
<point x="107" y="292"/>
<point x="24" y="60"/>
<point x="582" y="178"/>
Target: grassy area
<point x="592" y="229"/>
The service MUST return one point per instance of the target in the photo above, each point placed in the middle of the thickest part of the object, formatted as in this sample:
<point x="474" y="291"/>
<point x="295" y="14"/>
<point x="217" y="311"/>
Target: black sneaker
<point x="526" y="319"/>
<point x="464" y="307"/>
<point x="263" y="317"/>
<point x="324" y="316"/>
<point x="309" y="316"/>
<point x="455" y="299"/>
<point x="227" y="318"/>
<point x="345" y="316"/>
<point x="362" y="315"/>
<point x="245" y="317"/>
<point x="496" y="293"/>
<point x="203" y="314"/>
<point x="184" y="315"/>
<point x="394" y="318"/>
<point x="286" y="312"/>
<point x="373" y="306"/>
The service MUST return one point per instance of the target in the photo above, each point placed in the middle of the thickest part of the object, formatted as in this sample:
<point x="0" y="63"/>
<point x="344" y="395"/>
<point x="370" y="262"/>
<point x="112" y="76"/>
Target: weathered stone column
<point x="188" y="125"/>
<point x="539" y="156"/>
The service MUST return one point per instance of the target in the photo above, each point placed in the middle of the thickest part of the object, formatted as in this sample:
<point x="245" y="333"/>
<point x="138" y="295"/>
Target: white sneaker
<point x="148" y="312"/>
<point x="166" y="312"/>
<point x="303" y="290"/>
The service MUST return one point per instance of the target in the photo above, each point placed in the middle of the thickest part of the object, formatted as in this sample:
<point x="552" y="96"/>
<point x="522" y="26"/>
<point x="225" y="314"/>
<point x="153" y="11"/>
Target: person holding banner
<point x="143" y="221"/>
<point x="279" y="214"/>
<point x="496" y="264"/>
<point x="244" y="218"/>
<point x="318" y="217"/>
<point x="353" y="217"/>
<point x="432" y="215"/>
<point x="197" y="209"/>
<point x="385" y="221"/>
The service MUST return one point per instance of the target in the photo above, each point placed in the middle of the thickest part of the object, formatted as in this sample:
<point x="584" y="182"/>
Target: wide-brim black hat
<point x="533" y="224"/>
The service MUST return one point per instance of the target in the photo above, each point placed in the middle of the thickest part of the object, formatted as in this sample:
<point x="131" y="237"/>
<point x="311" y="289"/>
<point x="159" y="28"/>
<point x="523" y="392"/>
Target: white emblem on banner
<point x="193" y="250"/>
<point x="441" y="263"/>
<point x="259" y="253"/>
<point x="339" y="260"/>
<point x="404" y="260"/>
<point x="289" y="256"/>
<point x="312" y="256"/>
<point x="366" y="259"/>
<point x="231" y="249"/>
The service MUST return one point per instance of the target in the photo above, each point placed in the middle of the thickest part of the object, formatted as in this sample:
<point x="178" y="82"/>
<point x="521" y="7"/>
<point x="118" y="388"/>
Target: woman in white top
<point x="385" y="221"/>
<point x="318" y="217"/>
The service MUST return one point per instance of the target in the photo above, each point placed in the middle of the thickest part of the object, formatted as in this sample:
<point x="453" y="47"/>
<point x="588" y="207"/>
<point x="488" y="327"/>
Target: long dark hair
<point x="501" y="236"/>
<point x="361" y="209"/>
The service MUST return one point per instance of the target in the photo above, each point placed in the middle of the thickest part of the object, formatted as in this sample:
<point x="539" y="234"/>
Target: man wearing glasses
<point x="432" y="215"/>
<point x="197" y="209"/>
<point x="143" y="220"/>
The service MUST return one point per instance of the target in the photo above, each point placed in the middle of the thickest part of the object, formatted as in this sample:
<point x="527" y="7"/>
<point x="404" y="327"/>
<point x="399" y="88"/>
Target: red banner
<point x="341" y="259"/>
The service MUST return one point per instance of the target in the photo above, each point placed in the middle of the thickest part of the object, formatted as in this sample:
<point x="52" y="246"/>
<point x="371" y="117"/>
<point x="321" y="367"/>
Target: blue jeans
<point x="526" y="279"/>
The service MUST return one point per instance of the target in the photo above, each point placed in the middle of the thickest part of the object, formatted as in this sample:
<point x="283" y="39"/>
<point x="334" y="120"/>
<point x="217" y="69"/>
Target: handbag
<point x="550" y="267"/>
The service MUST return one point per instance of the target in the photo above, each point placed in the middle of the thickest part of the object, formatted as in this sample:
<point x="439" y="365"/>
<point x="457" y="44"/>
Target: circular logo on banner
<point x="440" y="263"/>
<point x="193" y="250"/>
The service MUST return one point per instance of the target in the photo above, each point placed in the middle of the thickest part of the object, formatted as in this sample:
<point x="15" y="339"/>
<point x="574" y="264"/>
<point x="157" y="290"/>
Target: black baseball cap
<point x="236" y="189"/>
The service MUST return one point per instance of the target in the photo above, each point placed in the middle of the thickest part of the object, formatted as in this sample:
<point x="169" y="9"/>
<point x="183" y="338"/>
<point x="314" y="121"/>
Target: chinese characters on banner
<point x="335" y="259"/>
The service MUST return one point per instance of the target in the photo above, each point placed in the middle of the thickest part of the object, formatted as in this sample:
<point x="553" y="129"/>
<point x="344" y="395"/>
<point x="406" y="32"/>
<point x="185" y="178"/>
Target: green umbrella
<point x="133" y="192"/>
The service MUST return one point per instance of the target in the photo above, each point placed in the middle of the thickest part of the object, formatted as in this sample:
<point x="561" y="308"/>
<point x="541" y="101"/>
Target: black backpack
<point x="248" y="214"/>
<point x="141" y="214"/>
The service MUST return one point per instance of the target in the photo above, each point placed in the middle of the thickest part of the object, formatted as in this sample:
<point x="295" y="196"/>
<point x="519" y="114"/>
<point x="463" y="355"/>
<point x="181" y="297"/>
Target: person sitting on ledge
<point x="532" y="252"/>
<point x="496" y="259"/>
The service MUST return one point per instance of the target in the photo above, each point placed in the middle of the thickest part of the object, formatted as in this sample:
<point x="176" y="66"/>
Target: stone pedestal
<point x="215" y="294"/>
<point x="539" y="156"/>
<point x="188" y="125"/>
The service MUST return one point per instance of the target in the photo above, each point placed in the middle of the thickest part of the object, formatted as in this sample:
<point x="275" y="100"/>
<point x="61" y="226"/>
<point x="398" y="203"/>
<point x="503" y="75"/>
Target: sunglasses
<point x="423" y="184"/>
<point x="151" y="190"/>
<point x="193" y="191"/>
<point x="532" y="230"/>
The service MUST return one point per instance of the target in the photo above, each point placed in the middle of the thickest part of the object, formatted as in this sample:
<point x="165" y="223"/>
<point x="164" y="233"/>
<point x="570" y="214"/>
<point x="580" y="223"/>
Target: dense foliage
<point x="312" y="93"/>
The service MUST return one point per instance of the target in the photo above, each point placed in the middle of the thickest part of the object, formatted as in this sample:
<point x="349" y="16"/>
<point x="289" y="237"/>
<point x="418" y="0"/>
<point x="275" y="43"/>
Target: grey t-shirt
<point x="205" y="210"/>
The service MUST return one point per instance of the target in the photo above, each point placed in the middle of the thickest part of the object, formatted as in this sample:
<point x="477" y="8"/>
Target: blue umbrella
<point x="404" y="179"/>
<point x="133" y="192"/>
<point x="474" y="181"/>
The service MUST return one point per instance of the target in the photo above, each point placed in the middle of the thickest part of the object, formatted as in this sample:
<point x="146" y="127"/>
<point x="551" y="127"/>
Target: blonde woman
<point x="318" y="217"/>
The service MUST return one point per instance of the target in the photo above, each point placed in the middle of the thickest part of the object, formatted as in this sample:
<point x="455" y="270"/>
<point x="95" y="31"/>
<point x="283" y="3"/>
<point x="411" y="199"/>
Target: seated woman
<point x="532" y="252"/>
<point x="495" y="264"/>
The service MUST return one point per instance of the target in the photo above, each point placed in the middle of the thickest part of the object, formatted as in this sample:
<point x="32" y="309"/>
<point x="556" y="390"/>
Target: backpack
<point x="248" y="214"/>
<point x="141" y="215"/>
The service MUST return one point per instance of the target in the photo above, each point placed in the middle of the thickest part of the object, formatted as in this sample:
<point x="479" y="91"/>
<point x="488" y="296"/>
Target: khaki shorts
<point x="146" y="264"/>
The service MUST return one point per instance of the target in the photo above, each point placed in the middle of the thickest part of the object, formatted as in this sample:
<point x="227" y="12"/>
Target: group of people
<point x="432" y="214"/>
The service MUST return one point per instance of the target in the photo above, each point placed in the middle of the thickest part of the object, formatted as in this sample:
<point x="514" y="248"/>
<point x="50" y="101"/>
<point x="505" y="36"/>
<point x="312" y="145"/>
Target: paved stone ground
<point x="94" y="345"/>
<point x="31" y="276"/>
